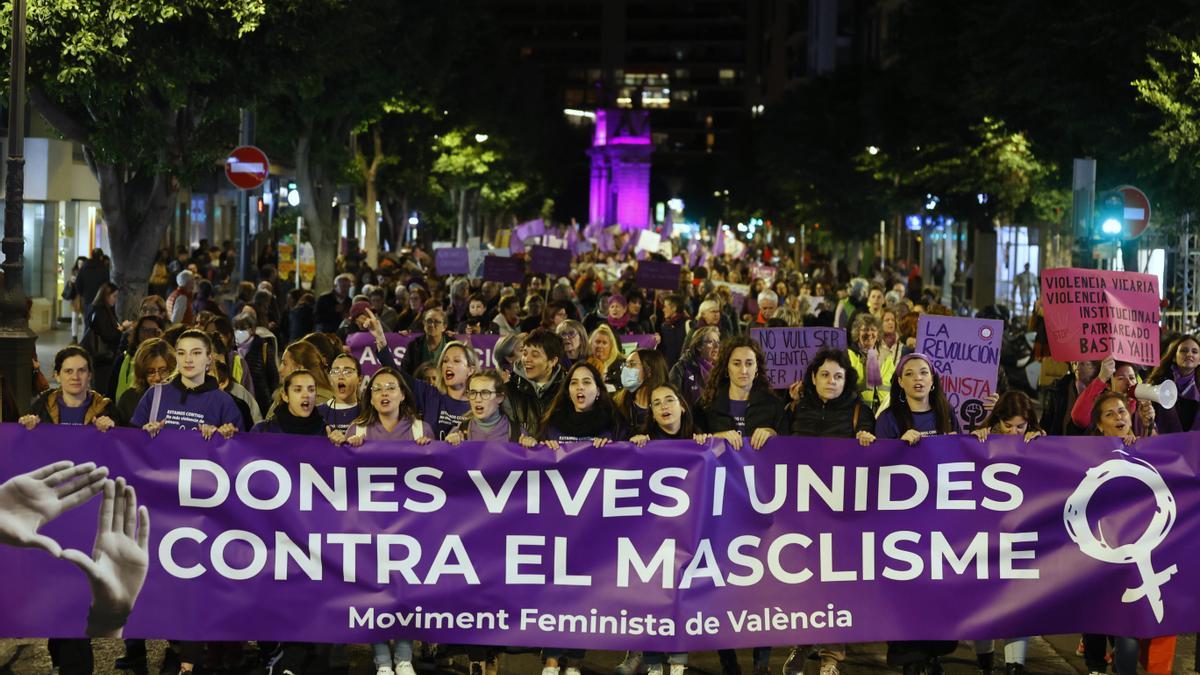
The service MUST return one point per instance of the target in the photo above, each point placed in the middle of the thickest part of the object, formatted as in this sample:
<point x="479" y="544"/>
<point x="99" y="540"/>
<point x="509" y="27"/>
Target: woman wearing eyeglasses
<point x="340" y="411"/>
<point x="391" y="415"/>
<point x="489" y="420"/>
<point x="153" y="363"/>
<point x="429" y="346"/>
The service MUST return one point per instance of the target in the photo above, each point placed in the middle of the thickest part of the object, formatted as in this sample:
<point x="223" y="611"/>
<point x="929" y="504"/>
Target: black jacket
<point x="842" y="417"/>
<point x="528" y="404"/>
<point x="763" y="409"/>
<point x="1056" y="416"/>
<point x="91" y="277"/>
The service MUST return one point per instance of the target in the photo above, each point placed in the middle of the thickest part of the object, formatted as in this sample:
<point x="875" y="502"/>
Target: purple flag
<point x="719" y="245"/>
<point x="287" y="537"/>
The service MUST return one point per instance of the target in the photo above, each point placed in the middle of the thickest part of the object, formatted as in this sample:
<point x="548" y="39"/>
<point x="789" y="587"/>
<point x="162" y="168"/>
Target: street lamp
<point x="16" y="340"/>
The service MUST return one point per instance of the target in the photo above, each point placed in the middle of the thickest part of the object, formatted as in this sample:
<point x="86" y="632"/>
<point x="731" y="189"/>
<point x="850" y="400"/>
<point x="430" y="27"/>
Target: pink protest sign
<point x="965" y="353"/>
<point x="1094" y="314"/>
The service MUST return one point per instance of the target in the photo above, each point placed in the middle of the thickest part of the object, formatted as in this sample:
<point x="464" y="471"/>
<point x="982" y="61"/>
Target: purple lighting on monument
<point x="620" y="189"/>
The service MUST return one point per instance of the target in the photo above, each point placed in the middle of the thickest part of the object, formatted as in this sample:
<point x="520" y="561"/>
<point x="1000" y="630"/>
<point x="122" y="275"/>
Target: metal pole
<point x="245" y="137"/>
<point x="16" y="339"/>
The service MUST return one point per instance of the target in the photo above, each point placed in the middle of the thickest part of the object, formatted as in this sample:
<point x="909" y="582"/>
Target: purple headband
<point x="909" y="357"/>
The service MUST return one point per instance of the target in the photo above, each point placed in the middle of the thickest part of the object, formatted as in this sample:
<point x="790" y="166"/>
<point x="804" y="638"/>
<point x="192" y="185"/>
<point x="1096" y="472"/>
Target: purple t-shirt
<point x="69" y="415"/>
<point x="737" y="410"/>
<point x="403" y="431"/>
<point x="923" y="422"/>
<point x="338" y="418"/>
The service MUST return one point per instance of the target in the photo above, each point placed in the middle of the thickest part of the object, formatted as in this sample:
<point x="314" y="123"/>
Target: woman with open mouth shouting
<point x="918" y="408"/>
<point x="1111" y="417"/>
<point x="339" y="412"/>
<point x="298" y="402"/>
<point x="918" y="405"/>
<point x="444" y="406"/>
<point x="582" y="411"/>
<point x="391" y="415"/>
<point x="295" y="414"/>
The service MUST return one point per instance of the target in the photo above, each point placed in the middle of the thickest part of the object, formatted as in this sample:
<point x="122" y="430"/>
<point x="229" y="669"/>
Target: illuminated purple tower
<point x="621" y="169"/>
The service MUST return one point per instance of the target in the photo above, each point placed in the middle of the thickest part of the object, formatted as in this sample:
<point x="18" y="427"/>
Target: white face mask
<point x="241" y="336"/>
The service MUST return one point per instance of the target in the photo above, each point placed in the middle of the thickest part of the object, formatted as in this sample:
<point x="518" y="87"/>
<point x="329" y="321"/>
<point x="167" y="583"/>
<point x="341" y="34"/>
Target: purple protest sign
<point x="634" y="342"/>
<point x="546" y="260"/>
<point x="662" y="275"/>
<point x="787" y="351"/>
<point x="452" y="260"/>
<point x="671" y="547"/>
<point x="503" y="269"/>
<point x="966" y="356"/>
<point x="362" y="348"/>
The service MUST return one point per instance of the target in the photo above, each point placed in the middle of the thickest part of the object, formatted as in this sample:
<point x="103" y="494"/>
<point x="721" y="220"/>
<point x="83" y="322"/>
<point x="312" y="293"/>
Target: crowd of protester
<point x="266" y="356"/>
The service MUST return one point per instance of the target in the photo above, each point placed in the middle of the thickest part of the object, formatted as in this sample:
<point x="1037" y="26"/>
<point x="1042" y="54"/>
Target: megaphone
<point x="1165" y="394"/>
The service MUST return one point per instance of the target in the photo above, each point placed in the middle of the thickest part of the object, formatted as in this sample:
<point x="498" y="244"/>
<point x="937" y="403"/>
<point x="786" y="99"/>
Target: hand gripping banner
<point x="672" y="547"/>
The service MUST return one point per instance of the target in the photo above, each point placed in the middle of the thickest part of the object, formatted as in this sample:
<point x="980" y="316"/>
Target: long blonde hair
<point x="472" y="361"/>
<point x="613" y="354"/>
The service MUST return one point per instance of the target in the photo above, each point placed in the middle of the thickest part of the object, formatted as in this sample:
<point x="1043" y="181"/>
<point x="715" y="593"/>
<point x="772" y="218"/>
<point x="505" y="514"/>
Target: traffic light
<point x="1110" y="217"/>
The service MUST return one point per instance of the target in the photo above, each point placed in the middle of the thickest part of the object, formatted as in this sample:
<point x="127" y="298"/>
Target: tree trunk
<point x="460" y="203"/>
<point x="369" y="215"/>
<point x="316" y="194"/>
<point x="137" y="210"/>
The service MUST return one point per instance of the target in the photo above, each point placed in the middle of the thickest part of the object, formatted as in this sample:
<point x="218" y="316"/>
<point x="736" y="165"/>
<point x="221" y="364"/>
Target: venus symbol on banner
<point x="1076" y="521"/>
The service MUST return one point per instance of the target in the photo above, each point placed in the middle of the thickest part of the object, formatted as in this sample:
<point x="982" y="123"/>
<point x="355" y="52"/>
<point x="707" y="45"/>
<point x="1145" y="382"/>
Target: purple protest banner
<point x="503" y="269"/>
<point x="671" y="547"/>
<point x="651" y="274"/>
<point x="634" y="342"/>
<point x="546" y="260"/>
<point x="452" y="260"/>
<point x="362" y="348"/>
<point x="966" y="356"/>
<point x="787" y="351"/>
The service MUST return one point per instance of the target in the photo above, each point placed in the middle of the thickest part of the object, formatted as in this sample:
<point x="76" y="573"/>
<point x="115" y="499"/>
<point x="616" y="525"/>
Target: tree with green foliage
<point x="150" y="89"/>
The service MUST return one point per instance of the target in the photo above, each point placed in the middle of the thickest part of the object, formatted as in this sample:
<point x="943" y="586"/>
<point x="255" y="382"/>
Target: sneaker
<point x="656" y="669"/>
<point x="677" y="668"/>
<point x="405" y="668"/>
<point x="829" y="669"/>
<point x="1079" y="648"/>
<point x="794" y="664"/>
<point x="633" y="664"/>
<point x="1014" y="669"/>
<point x="384" y="670"/>
<point x="573" y="670"/>
<point x="550" y="670"/>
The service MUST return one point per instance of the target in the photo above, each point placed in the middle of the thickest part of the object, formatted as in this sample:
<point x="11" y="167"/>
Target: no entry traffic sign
<point x="1137" y="210"/>
<point x="247" y="167"/>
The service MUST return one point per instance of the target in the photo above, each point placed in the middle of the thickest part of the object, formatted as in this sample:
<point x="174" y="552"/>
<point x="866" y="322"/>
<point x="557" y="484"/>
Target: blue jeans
<point x="383" y="655"/>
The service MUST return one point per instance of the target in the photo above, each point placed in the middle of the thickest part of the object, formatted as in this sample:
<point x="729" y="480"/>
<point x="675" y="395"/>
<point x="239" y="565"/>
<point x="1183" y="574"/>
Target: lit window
<point x="727" y="75"/>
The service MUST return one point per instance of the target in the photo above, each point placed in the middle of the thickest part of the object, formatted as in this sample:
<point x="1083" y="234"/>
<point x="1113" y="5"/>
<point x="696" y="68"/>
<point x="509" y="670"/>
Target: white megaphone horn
<point x="1165" y="394"/>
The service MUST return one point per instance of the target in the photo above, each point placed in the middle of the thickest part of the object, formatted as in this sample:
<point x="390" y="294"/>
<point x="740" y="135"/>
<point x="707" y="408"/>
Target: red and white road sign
<point x="247" y="167"/>
<point x="1137" y="210"/>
